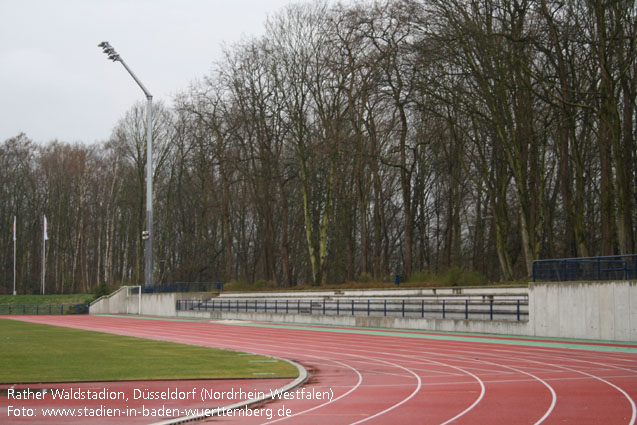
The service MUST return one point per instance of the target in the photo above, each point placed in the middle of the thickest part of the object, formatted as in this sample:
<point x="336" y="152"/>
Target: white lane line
<point x="405" y="400"/>
<point x="630" y="400"/>
<point x="360" y="380"/>
<point x="547" y="364"/>
<point x="464" y="372"/>
<point x="475" y="403"/>
<point x="537" y="378"/>
<point x="419" y="381"/>
<point x="262" y="345"/>
<point x="555" y="356"/>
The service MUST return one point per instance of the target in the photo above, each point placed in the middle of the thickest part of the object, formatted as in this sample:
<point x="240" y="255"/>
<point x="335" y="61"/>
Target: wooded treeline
<point x="354" y="142"/>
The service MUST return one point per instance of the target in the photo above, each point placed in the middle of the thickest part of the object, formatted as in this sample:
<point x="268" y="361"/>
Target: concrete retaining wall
<point x="114" y="303"/>
<point x="155" y="304"/>
<point x="501" y="327"/>
<point x="588" y="310"/>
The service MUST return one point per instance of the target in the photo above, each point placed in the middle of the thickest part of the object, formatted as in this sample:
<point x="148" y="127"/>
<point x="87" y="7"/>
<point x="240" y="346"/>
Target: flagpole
<point x="14" y="252"/>
<point x="44" y="237"/>
<point x="43" y="263"/>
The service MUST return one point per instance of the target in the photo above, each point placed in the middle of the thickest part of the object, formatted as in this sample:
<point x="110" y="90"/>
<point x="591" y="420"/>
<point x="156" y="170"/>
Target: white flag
<point x="14" y="219"/>
<point x="46" y="228"/>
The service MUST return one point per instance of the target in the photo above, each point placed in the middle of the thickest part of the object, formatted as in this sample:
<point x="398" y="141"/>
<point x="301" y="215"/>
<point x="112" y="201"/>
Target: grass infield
<point x="35" y="353"/>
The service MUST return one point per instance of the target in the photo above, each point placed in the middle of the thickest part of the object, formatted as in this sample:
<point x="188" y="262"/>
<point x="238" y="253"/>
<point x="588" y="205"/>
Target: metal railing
<point x="616" y="267"/>
<point x="488" y="309"/>
<point x="41" y="309"/>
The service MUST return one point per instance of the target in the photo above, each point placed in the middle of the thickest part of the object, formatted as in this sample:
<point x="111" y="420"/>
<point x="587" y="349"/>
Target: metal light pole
<point x="147" y="235"/>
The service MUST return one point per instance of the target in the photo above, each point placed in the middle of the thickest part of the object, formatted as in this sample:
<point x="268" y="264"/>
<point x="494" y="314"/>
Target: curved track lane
<point x="380" y="377"/>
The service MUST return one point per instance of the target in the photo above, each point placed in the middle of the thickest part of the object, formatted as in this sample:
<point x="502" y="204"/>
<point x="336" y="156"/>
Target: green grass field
<point x="35" y="353"/>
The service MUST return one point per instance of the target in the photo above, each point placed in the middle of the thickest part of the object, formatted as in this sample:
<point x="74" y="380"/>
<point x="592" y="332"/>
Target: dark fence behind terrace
<point x="616" y="267"/>
<point x="25" y="309"/>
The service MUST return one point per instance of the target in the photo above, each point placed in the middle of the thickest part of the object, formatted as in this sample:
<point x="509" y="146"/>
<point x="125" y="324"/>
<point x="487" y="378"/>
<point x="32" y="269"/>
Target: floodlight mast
<point x="147" y="235"/>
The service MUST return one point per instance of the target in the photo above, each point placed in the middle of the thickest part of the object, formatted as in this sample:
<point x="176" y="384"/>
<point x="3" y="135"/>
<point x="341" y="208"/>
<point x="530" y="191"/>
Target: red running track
<point x="387" y="377"/>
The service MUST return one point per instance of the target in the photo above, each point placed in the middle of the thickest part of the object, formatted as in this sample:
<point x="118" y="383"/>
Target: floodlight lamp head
<point x="109" y="51"/>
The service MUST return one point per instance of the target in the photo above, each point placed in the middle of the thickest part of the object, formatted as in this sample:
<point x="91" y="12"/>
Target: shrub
<point x="455" y="276"/>
<point x="101" y="290"/>
<point x="420" y="276"/>
<point x="236" y="285"/>
<point x="365" y="278"/>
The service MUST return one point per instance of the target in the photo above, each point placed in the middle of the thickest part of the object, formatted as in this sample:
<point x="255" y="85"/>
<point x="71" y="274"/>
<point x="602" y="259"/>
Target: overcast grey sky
<point x="55" y="83"/>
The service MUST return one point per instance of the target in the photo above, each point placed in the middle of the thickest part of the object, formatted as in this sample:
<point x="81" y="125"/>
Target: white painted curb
<point x="303" y="377"/>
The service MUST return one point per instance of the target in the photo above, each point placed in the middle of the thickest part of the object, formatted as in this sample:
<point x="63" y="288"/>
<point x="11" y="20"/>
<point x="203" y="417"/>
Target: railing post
<point x="518" y="310"/>
<point x="403" y="308"/>
<point x="323" y="306"/>
<point x="565" y="271"/>
<point x="298" y="307"/>
<point x="422" y="308"/>
<point x="534" y="264"/>
<point x="276" y="306"/>
<point x="352" y="307"/>
<point x="466" y="308"/>
<point x="338" y="307"/>
<point x="443" y="309"/>
<point x="311" y="306"/>
<point x="368" y="307"/>
<point x="287" y="306"/>
<point x="385" y="308"/>
<point x="491" y="309"/>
